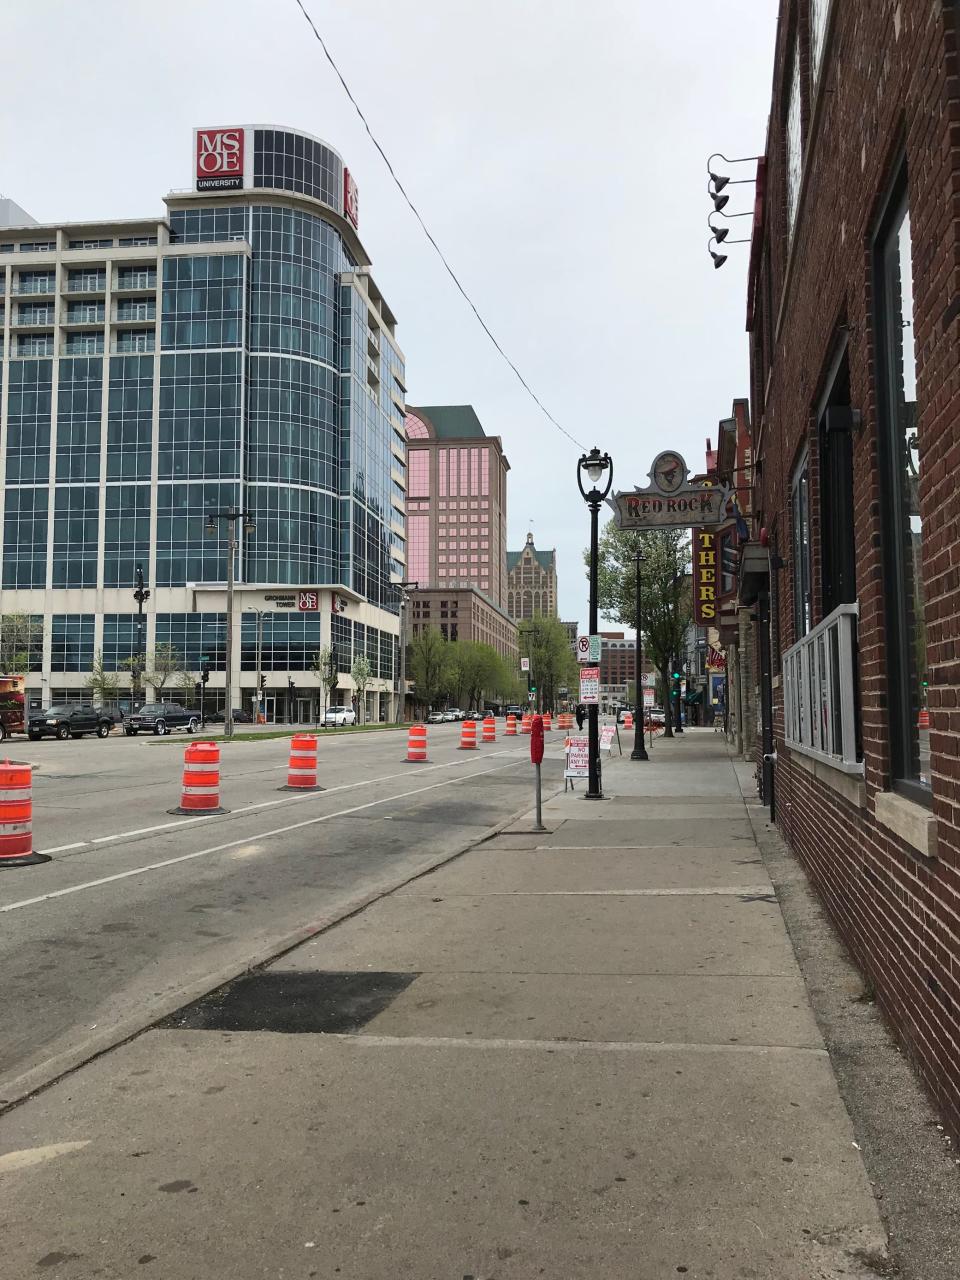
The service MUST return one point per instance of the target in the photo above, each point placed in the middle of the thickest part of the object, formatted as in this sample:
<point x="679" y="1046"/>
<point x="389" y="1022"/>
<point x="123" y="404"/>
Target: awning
<point x="754" y="575"/>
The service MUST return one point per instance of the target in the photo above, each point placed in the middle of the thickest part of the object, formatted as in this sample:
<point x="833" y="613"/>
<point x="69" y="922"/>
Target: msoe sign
<point x="219" y="159"/>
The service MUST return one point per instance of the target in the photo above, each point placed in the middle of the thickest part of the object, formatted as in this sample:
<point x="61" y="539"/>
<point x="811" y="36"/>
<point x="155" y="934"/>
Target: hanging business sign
<point x="704" y="577"/>
<point x="671" y="500"/>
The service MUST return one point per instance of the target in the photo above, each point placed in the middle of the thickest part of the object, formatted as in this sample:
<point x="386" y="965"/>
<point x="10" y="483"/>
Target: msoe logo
<point x="219" y="159"/>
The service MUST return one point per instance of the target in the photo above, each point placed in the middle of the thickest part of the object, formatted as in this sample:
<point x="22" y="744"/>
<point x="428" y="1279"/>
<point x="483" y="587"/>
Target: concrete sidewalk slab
<point x="689" y="934"/>
<point x="641" y="831"/>
<point x="644" y="1008"/>
<point x="496" y="867"/>
<point x="266" y="1155"/>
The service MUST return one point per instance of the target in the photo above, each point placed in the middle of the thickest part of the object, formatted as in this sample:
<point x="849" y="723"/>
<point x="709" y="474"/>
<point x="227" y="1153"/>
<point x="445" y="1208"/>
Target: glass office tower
<point x="236" y="354"/>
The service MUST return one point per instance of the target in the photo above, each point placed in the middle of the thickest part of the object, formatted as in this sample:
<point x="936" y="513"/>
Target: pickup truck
<point x="160" y="718"/>
<point x="68" y="720"/>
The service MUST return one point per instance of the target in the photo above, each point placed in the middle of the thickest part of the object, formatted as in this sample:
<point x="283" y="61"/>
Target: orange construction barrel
<point x="511" y="729"/>
<point x="489" y="729"/>
<point x="302" y="770"/>
<point x="16" y="816"/>
<point x="468" y="736"/>
<point x="417" y="744"/>
<point x="200" y="792"/>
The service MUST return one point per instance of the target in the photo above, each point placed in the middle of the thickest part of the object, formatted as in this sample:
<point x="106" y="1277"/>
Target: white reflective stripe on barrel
<point x="21" y="793"/>
<point x="14" y="829"/>
<point x="201" y="791"/>
<point x="213" y="767"/>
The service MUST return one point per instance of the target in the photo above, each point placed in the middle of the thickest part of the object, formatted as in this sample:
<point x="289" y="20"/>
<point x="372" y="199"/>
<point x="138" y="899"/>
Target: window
<point x="135" y="340"/>
<point x="838" y="577"/>
<point x="800" y="560"/>
<point x="136" y="278"/>
<point x="91" y="244"/>
<point x="793" y="143"/>
<point x="87" y="280"/>
<point x="818" y="31"/>
<point x="136" y="242"/>
<point x="903" y="530"/>
<point x="71" y="646"/>
<point x="35" y="282"/>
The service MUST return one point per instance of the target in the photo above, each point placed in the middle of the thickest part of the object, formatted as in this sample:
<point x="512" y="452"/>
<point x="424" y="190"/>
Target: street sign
<point x="577" y="764"/>
<point x="648" y="697"/>
<point x="588" y="648"/>
<point x="606" y="736"/>
<point x="671" y="500"/>
<point x="590" y="686"/>
<point x="648" y="680"/>
<point x="524" y="664"/>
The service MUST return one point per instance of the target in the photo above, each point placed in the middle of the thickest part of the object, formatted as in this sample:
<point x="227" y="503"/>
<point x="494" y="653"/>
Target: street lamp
<point x="639" y="751"/>
<point x="141" y="594"/>
<point x="403" y="588"/>
<point x="232" y="515"/>
<point x="597" y="468"/>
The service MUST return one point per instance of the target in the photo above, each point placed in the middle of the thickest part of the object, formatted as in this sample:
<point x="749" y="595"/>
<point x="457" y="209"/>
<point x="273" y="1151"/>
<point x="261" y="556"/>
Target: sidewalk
<point x="582" y="1054"/>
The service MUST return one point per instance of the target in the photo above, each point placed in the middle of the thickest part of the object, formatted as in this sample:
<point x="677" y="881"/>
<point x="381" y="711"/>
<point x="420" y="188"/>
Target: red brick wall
<point x="890" y="85"/>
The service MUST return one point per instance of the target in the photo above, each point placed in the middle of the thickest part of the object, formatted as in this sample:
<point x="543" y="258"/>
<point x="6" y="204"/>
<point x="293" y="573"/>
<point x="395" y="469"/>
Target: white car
<point x="436" y="717"/>
<point x="339" y="715"/>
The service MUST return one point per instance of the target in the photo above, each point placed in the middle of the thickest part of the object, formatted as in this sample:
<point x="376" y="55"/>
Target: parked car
<point x="68" y="720"/>
<point x="656" y="715"/>
<point x="455" y="713"/>
<point x="623" y="713"/>
<point x="451" y="717"/>
<point x="437" y="717"/>
<point x="514" y="711"/>
<point x="160" y="718"/>
<point x="339" y="715"/>
<point x="239" y="717"/>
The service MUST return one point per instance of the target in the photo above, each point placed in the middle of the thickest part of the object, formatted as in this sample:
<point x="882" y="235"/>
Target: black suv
<point x="160" y="718"/>
<point x="68" y="720"/>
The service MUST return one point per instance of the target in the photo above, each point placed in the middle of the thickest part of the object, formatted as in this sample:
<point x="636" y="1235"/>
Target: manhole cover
<point x="294" y="1003"/>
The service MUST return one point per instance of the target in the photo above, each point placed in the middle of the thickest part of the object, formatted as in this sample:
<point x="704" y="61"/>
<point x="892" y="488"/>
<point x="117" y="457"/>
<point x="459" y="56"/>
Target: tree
<point x="103" y="684"/>
<point x="360" y="674"/>
<point x="666" y="601"/>
<point x="19" y="637"/>
<point x="167" y="663"/>
<point x="325" y="669"/>
<point x="545" y="642"/>
<point x="187" y="686"/>
<point x="135" y="664"/>
<point x="428" y="665"/>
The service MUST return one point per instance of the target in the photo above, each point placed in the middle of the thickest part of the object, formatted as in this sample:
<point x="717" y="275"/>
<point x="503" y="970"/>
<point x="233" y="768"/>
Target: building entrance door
<point x="269" y="709"/>
<point x="303" y="710"/>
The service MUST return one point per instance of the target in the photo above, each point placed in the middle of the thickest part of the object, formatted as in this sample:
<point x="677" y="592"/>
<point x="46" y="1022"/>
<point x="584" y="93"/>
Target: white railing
<point x="819" y="691"/>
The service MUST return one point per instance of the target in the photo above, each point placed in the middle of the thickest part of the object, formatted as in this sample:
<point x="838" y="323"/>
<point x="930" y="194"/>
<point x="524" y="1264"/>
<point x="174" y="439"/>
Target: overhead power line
<point x="427" y="232"/>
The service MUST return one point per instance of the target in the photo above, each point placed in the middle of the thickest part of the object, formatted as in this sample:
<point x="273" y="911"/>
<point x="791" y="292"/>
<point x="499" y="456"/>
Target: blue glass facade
<point x="242" y="359"/>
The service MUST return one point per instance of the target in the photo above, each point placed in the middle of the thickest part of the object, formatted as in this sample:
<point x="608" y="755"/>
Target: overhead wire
<point x="427" y="232"/>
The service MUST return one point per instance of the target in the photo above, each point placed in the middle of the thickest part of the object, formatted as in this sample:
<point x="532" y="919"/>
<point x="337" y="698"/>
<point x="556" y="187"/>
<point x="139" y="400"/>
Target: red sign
<point x="351" y="198"/>
<point x="536" y="740"/>
<point x="705" y="562"/>
<point x="219" y="159"/>
<point x="308" y="600"/>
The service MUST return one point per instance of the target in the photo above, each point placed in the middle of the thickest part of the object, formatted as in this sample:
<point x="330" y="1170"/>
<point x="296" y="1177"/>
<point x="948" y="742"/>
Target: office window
<point x="76" y="510"/>
<point x="136" y="242"/>
<point x="72" y="642"/>
<point x="193" y="634"/>
<point x="121" y="639"/>
<point x="25" y="538"/>
<point x="92" y="244"/>
<point x="86" y="280"/>
<point x="903" y="531"/>
<point x="793" y="143"/>
<point x="800" y="560"/>
<point x="79" y="398"/>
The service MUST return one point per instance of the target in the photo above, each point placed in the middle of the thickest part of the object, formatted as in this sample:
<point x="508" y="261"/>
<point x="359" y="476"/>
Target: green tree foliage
<point x="545" y="642"/>
<point x="325" y="669"/>
<point x="666" y="600"/>
<point x="135" y="664"/>
<point x="19" y="636"/>
<point x="428" y="665"/>
<point x="167" y="663"/>
<point x="104" y="685"/>
<point x="360" y="673"/>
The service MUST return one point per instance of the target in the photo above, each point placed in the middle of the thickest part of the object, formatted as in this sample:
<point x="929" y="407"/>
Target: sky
<point x="557" y="151"/>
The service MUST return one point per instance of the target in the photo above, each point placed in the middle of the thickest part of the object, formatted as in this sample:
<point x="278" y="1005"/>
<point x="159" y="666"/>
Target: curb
<point x="20" y="1089"/>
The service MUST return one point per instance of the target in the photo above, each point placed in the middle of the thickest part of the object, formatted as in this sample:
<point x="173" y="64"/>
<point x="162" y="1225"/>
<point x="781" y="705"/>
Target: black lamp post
<point x="232" y="515"/>
<point x="141" y="594"/>
<point x="597" y="467"/>
<point x="639" y="751"/>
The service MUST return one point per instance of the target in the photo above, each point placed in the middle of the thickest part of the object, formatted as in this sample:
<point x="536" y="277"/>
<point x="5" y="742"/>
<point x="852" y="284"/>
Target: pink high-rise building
<point x="456" y="502"/>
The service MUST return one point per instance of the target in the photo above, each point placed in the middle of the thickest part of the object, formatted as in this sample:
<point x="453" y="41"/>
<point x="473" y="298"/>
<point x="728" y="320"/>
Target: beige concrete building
<point x="464" y="613"/>
<point x="531" y="582"/>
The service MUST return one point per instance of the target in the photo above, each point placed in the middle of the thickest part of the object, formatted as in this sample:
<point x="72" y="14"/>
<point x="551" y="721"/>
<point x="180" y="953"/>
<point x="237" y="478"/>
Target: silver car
<point x="339" y="715"/>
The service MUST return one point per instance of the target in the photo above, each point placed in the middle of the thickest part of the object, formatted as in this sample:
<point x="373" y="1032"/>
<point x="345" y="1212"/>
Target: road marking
<point x="245" y="840"/>
<point x="37" y="1155"/>
<point x="262" y="804"/>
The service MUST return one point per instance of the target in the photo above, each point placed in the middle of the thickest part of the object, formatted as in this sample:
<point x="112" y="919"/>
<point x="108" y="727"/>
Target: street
<point x="140" y="910"/>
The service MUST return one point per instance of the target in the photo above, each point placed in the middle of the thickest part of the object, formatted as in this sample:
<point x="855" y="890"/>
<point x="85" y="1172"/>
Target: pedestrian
<point x="581" y="714"/>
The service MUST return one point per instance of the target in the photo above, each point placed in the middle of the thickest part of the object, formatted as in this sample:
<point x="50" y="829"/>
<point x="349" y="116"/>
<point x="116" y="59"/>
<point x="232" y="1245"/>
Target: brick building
<point x="464" y="613"/>
<point x="531" y="582"/>
<point x="852" y="573"/>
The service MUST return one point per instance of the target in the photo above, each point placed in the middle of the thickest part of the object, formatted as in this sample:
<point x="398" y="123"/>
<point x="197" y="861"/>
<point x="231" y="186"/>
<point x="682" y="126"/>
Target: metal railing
<point x="819" y="691"/>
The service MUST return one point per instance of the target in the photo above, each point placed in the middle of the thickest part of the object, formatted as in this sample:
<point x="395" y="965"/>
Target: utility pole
<point x="597" y="470"/>
<point x="259" y="697"/>
<point x="141" y="594"/>
<point x="404" y="587"/>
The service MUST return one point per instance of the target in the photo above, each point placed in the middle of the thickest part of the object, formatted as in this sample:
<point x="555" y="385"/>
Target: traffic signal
<point x="198" y="688"/>
<point x="263" y="683"/>
<point x="204" y="672"/>
<point x="290" y="685"/>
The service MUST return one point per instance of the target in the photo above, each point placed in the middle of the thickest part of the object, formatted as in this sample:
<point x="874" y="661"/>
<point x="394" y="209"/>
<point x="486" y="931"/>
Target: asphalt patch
<point x="294" y="1003"/>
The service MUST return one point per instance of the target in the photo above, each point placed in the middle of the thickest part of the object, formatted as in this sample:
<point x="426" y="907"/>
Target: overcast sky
<point x="557" y="151"/>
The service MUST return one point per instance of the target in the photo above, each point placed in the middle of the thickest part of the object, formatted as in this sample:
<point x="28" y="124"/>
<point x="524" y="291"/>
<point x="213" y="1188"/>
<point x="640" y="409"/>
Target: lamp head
<point x="718" y="181"/>
<point x="718" y="259"/>
<point x="249" y="524"/>
<point x="719" y="233"/>
<point x="719" y="202"/>
<point x="211" y="529"/>
<point x="595" y="466"/>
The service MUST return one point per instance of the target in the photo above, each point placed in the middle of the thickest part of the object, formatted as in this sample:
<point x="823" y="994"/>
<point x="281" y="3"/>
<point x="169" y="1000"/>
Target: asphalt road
<point x="140" y="910"/>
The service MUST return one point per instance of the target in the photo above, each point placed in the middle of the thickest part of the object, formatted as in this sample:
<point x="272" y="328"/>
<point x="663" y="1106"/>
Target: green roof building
<point x="531" y="582"/>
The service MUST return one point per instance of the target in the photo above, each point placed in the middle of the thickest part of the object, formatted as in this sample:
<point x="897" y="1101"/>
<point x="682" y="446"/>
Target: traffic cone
<point x="628" y="720"/>
<point x="417" y="744"/>
<point x="489" y="729"/>
<point x="923" y="719"/>
<point x="468" y="736"/>
<point x="302" y="770"/>
<point x="16" y="816"/>
<point x="200" y="792"/>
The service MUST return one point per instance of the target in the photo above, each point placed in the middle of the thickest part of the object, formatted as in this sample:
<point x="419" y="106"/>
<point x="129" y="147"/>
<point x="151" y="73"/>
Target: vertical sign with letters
<point x="219" y="159"/>
<point x="351" y="198"/>
<point x="705" y="544"/>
